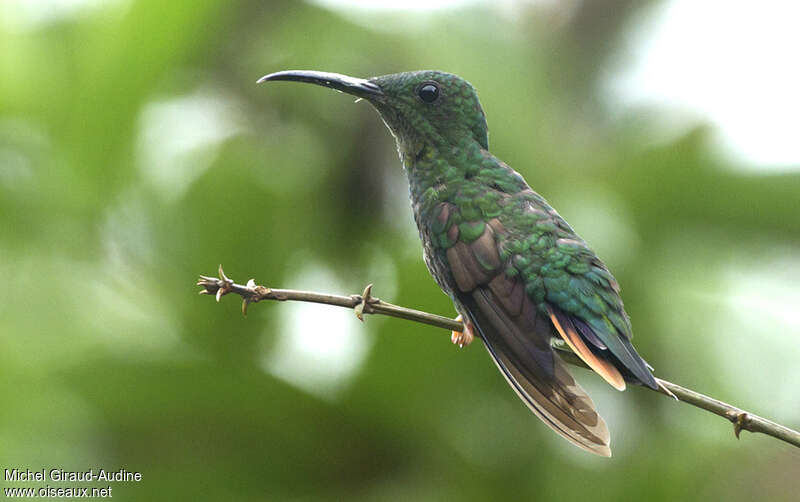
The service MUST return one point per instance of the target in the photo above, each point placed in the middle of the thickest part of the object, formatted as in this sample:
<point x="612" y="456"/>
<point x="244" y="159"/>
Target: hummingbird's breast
<point x="449" y="185"/>
<point x="432" y="253"/>
<point x="429" y="188"/>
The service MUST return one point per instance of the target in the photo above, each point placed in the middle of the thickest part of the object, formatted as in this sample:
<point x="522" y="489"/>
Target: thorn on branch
<point x="225" y="287"/>
<point x="364" y="302"/>
<point x="246" y="300"/>
<point x="740" y="419"/>
<point x="665" y="390"/>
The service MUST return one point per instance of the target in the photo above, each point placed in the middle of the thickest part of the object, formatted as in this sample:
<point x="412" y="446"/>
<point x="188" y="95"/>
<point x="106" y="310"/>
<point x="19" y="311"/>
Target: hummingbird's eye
<point x="428" y="92"/>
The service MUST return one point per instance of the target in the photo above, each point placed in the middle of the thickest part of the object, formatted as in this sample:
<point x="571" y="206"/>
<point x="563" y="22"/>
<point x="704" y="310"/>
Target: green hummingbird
<point x="518" y="274"/>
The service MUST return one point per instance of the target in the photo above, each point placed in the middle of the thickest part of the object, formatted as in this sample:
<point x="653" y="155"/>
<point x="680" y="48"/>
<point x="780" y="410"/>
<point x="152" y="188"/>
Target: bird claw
<point x="364" y="300"/>
<point x="465" y="337"/>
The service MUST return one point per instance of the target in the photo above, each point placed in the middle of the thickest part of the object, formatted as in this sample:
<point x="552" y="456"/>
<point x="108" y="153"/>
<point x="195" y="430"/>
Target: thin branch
<point x="365" y="303"/>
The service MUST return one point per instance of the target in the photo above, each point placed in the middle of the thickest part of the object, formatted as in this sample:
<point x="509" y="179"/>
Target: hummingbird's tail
<point x="536" y="373"/>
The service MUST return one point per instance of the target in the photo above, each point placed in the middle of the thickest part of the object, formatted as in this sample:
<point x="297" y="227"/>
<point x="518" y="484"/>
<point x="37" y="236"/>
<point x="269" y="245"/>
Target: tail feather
<point x="520" y="348"/>
<point x="604" y="368"/>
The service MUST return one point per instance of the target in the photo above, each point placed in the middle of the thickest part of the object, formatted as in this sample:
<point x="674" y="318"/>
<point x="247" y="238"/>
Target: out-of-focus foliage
<point x="136" y="151"/>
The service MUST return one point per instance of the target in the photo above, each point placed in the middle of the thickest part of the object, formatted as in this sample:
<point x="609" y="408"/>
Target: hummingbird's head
<point x="420" y="108"/>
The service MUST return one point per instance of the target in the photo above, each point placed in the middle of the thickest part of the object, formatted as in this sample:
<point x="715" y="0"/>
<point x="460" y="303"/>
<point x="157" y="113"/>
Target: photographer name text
<point x="25" y="475"/>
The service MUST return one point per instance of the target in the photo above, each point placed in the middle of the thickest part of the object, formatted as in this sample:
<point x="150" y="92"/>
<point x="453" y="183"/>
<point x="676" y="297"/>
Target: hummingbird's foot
<point x="465" y="337"/>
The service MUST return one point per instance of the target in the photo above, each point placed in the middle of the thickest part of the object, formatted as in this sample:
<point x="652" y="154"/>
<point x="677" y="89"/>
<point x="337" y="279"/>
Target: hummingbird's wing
<point x="564" y="278"/>
<point x="516" y="334"/>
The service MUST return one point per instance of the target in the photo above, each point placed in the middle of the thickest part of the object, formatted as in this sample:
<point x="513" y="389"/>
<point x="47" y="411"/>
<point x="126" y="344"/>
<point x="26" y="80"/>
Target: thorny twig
<point x="367" y="304"/>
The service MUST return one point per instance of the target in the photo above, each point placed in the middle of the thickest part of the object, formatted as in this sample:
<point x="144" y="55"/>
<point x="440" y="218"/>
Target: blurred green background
<point x="136" y="152"/>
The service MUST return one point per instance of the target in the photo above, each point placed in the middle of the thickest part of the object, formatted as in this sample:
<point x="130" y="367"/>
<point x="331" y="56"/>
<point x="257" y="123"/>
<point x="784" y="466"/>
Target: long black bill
<point x="343" y="83"/>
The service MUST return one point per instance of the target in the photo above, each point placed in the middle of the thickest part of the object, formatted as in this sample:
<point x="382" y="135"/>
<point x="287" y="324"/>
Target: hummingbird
<point x="519" y="276"/>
